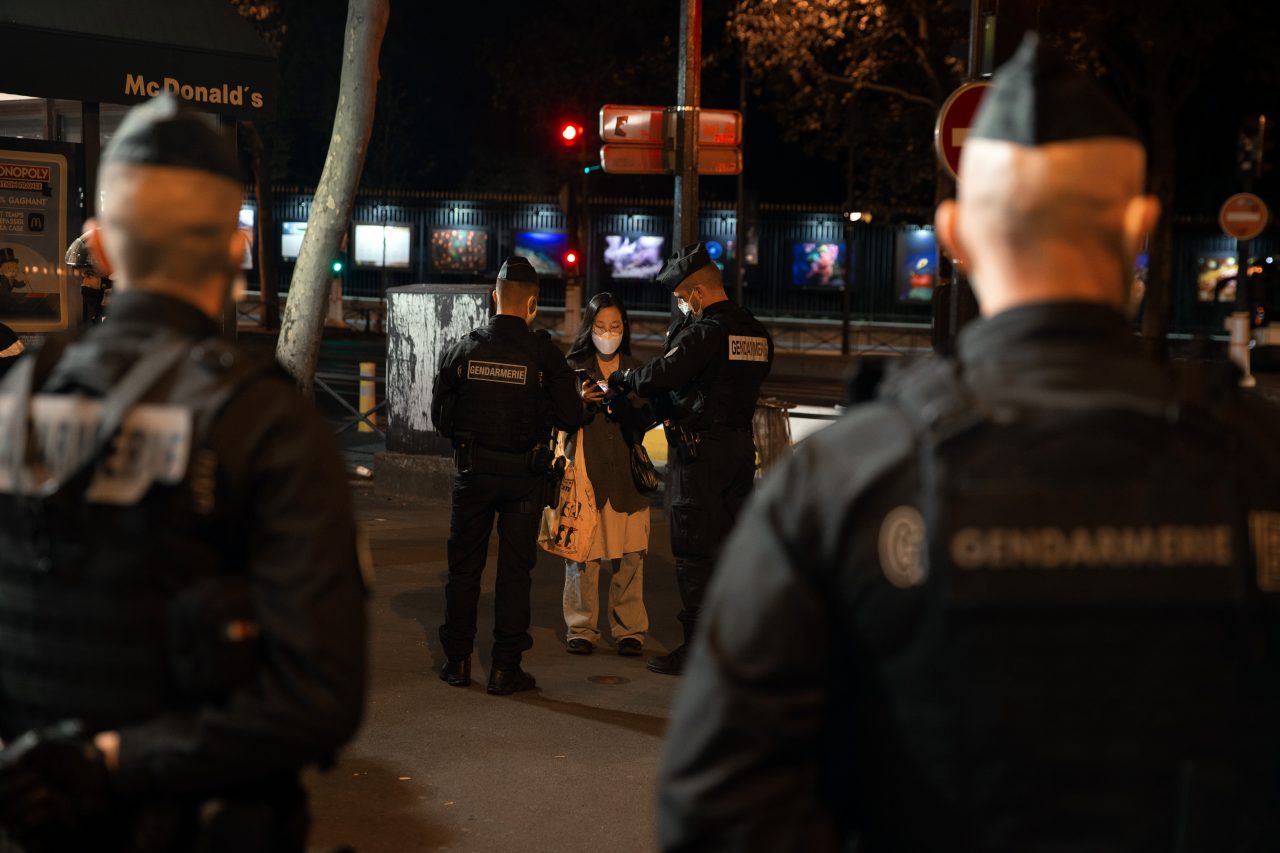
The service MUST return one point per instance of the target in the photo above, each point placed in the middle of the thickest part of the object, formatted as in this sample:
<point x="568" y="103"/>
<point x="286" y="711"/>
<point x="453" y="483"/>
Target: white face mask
<point x="606" y="344"/>
<point x="697" y="312"/>
<point x="683" y="306"/>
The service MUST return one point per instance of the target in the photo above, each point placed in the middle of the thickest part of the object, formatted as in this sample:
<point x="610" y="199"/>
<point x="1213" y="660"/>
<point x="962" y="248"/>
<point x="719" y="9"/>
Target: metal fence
<point x="876" y="256"/>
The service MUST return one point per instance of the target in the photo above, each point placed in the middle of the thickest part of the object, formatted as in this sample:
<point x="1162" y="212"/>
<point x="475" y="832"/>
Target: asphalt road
<point x="568" y="767"/>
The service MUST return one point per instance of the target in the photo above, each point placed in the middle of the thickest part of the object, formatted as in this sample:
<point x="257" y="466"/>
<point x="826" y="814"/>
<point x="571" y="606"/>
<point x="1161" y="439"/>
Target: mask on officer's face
<point x="695" y="310"/>
<point x="683" y="306"/>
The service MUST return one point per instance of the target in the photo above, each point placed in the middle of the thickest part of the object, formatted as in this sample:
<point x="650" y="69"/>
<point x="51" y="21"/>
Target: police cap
<point x="1038" y="97"/>
<point x="518" y="268"/>
<point x="78" y="256"/>
<point x="683" y="264"/>
<point x="162" y="132"/>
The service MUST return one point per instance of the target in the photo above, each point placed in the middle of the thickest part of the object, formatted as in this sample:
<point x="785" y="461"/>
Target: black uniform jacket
<point x="282" y="500"/>
<point x="713" y="369"/>
<point x="558" y="399"/>
<point x="791" y="730"/>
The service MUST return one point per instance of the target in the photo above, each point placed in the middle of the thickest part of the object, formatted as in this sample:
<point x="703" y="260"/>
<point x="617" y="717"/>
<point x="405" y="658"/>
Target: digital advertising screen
<point x="247" y="219"/>
<point x="917" y="264"/>
<point x="1216" y="277"/>
<point x="383" y="246"/>
<point x="633" y="257"/>
<point x="817" y="264"/>
<point x="544" y="249"/>
<point x="291" y="239"/>
<point x="459" y="249"/>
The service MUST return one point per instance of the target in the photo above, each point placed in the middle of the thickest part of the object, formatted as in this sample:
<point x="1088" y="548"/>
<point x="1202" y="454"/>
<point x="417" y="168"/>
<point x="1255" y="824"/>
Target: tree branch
<point x="862" y="85"/>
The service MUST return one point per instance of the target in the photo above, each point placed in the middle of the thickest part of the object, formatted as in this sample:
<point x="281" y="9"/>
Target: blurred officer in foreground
<point x="497" y="395"/>
<point x="180" y="595"/>
<point x="705" y="389"/>
<point x="1027" y="602"/>
<point x="93" y="284"/>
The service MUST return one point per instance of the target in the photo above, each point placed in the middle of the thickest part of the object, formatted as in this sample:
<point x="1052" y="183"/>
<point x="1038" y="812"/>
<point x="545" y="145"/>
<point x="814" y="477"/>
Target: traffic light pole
<point x="963" y="305"/>
<point x="1240" y="324"/>
<point x="689" y="97"/>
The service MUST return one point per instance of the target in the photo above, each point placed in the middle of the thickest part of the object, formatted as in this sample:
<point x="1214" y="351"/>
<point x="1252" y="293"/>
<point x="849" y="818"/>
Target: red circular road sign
<point x="954" y="120"/>
<point x="1243" y="216"/>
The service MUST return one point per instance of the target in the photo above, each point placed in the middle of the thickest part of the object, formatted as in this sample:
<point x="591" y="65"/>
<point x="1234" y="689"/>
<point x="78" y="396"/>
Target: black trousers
<point x="477" y="498"/>
<point x="91" y="305"/>
<point x="706" y="496"/>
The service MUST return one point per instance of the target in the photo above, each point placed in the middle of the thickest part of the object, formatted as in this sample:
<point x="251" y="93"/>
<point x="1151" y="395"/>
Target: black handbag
<point x="643" y="473"/>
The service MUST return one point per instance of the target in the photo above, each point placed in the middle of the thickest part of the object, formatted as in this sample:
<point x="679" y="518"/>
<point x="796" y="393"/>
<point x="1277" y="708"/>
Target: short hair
<point x="510" y="290"/>
<point x="183" y="248"/>
<point x="709" y="277"/>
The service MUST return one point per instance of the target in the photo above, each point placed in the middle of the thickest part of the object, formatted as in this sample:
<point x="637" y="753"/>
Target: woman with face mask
<point x="622" y="537"/>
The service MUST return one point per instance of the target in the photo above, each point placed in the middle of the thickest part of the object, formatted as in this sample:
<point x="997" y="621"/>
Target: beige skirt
<point x="619" y="533"/>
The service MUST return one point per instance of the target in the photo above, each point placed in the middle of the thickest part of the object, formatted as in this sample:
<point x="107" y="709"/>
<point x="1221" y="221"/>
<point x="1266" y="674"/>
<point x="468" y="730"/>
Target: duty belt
<point x="487" y="461"/>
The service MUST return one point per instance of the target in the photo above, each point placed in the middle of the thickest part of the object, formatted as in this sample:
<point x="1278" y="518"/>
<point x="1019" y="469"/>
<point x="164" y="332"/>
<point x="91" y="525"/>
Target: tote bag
<point x="568" y="528"/>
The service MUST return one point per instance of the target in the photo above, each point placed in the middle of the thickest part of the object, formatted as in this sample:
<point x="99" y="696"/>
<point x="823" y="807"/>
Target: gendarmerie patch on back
<point x="153" y="446"/>
<point x="494" y="371"/>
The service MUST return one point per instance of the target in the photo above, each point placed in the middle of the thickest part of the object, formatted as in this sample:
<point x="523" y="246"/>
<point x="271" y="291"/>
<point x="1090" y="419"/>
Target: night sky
<point x="472" y="95"/>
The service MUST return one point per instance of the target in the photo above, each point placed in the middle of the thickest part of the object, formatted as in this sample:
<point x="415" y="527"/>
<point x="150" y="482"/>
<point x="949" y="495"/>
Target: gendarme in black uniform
<point x="1074" y="656"/>
<point x="497" y="395"/>
<point x="1026" y="602"/>
<point x="193" y="584"/>
<point x="705" y="387"/>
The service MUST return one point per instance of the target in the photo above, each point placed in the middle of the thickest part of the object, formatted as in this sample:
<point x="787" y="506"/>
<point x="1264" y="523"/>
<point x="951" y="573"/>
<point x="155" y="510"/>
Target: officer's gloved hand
<point x="54" y="789"/>
<point x="620" y="382"/>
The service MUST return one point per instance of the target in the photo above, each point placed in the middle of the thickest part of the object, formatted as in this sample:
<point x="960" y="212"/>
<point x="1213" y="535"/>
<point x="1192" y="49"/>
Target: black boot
<point x="512" y="680"/>
<point x="669" y="664"/>
<point x="457" y="672"/>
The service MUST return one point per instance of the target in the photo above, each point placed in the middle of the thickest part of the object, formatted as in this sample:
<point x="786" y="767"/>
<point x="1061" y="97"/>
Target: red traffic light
<point x="571" y="257"/>
<point x="571" y="133"/>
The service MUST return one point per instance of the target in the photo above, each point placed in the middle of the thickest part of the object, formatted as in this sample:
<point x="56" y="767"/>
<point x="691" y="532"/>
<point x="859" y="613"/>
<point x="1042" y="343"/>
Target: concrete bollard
<point x="423" y="320"/>
<point x="368" y="395"/>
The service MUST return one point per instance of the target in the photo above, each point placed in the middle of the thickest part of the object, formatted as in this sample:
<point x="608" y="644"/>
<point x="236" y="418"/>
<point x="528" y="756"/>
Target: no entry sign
<point x="1243" y="216"/>
<point x="954" y="120"/>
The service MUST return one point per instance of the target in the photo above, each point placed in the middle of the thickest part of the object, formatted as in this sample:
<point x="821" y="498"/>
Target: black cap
<point x="8" y="256"/>
<point x="1038" y="97"/>
<point x="162" y="132"/>
<point x="683" y="264"/>
<point x="518" y="268"/>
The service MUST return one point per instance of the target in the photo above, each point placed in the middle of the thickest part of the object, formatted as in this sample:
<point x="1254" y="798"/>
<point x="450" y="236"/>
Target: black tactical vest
<point x="114" y="605"/>
<point x="499" y="398"/>
<point x="1088" y="663"/>
<point x="730" y="389"/>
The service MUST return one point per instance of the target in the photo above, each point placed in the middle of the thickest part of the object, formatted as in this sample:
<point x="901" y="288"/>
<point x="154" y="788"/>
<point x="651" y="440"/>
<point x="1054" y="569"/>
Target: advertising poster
<point x="917" y="264"/>
<point x="818" y="264"/>
<point x="33" y="239"/>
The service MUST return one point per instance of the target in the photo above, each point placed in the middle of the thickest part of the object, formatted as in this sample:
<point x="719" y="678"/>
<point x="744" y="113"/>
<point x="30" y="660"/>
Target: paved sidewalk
<point x="568" y="767"/>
